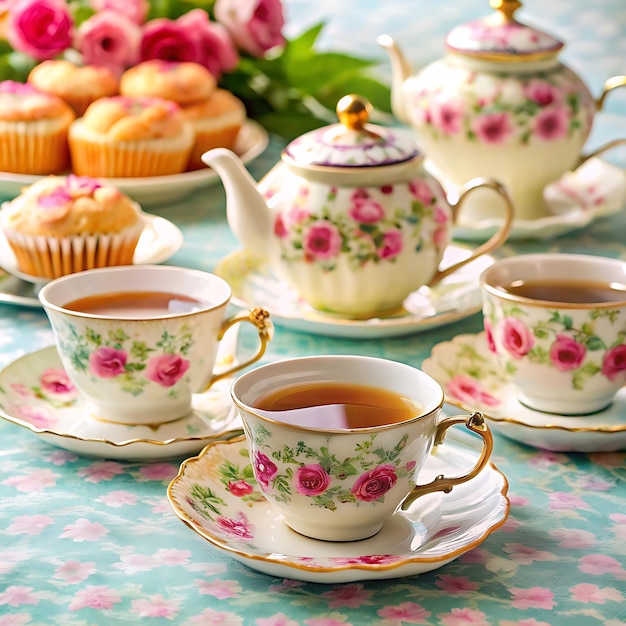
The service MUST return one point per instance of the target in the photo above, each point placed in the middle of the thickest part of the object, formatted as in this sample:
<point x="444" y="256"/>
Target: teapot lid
<point x="500" y="37"/>
<point x="353" y="142"/>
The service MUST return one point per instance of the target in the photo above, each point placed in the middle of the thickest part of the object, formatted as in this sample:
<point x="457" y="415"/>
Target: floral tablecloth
<point x="87" y="541"/>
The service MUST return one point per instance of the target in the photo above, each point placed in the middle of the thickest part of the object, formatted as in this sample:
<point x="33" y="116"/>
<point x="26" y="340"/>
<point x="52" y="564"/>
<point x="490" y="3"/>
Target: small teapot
<point x="349" y="217"/>
<point x="500" y="104"/>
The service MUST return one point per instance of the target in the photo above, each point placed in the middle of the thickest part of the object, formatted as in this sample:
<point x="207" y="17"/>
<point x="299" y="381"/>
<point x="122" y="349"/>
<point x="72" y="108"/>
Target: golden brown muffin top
<point x="181" y="81"/>
<point x="221" y="103"/>
<point x="21" y="102"/>
<point x="122" y="118"/>
<point x="58" y="206"/>
<point x="62" y="77"/>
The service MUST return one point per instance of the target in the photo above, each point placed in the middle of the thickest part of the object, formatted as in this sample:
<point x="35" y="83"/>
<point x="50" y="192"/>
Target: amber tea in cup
<point x="575" y="291"/>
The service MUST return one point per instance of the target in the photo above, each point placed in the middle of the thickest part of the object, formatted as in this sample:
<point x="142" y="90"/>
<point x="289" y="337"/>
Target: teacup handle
<point x="475" y="423"/>
<point x="257" y="317"/>
<point x="496" y="240"/>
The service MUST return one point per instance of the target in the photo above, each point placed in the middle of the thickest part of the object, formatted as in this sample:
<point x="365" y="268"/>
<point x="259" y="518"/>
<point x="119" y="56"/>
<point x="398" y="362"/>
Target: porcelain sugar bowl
<point x="349" y="217"/>
<point x="500" y="104"/>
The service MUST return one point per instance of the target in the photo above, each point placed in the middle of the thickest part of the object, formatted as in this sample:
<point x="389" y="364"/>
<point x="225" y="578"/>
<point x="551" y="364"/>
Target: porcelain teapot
<point x="499" y="104"/>
<point x="349" y="217"/>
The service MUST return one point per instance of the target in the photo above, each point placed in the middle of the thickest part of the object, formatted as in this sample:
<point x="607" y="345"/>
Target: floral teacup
<point x="341" y="484"/>
<point x="141" y="365"/>
<point x="557" y="323"/>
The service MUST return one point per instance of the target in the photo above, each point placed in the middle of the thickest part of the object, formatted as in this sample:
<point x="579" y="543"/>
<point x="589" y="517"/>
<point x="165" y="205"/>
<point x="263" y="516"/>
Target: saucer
<point x="159" y="240"/>
<point x="596" y="189"/>
<point x="455" y="297"/>
<point x="57" y="415"/>
<point x="467" y="371"/>
<point x="435" y="530"/>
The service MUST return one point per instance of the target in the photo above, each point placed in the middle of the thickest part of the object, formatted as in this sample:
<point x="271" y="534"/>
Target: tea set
<point x="350" y="234"/>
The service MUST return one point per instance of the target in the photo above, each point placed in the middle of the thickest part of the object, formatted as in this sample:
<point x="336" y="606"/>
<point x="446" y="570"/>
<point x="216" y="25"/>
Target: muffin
<point x="60" y="225"/>
<point x="180" y="81"/>
<point x="124" y="136"/>
<point x="79" y="86"/>
<point x="33" y="130"/>
<point x="216" y="123"/>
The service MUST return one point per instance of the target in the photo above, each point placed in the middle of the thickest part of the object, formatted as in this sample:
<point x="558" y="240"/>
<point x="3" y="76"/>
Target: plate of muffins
<point x="143" y="132"/>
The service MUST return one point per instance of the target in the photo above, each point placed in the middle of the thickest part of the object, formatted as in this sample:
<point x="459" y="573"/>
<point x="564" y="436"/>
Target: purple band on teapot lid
<point x="353" y="142"/>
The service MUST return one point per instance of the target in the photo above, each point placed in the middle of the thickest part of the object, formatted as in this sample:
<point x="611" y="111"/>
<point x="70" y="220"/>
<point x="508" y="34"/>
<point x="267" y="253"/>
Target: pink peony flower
<point x="614" y="362"/>
<point x="516" y="337"/>
<point x="255" y="25"/>
<point x="366" y="211"/>
<point x="551" y="124"/>
<point x="56" y="382"/>
<point x="106" y="362"/>
<point x="167" y="40"/>
<point x="219" y="52"/>
<point x="40" y="28"/>
<point x="166" y="369"/>
<point x="566" y="353"/>
<point x="312" y="480"/>
<point x="392" y="244"/>
<point x="109" y="39"/>
<point x="374" y="484"/>
<point x="264" y="469"/>
<point x="135" y="10"/>
<point x="322" y="240"/>
<point x="240" y="488"/>
<point x="492" y="128"/>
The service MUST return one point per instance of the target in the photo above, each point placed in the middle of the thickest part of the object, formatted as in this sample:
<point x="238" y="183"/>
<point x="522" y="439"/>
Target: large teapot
<point x="500" y="104"/>
<point x="349" y="217"/>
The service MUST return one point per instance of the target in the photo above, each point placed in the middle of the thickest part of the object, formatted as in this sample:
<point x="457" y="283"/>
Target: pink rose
<point x="470" y="391"/>
<point x="219" y="52"/>
<point x="392" y="244"/>
<point x="264" y="469"/>
<point x="106" y="362"/>
<point x="56" y="382"/>
<point x="552" y="123"/>
<point x="374" y="484"/>
<point x="366" y="211"/>
<point x="240" y="488"/>
<point x="40" y="28"/>
<point x="448" y="116"/>
<point x="312" y="480"/>
<point x="516" y="337"/>
<point x="135" y="10"/>
<point x="421" y="191"/>
<point x="493" y="128"/>
<point x="541" y="93"/>
<point x="614" y="362"/>
<point x="255" y="25"/>
<point x="491" y="344"/>
<point x="166" y="369"/>
<point x="322" y="240"/>
<point x="280" y="230"/>
<point x="109" y="39"/>
<point x="167" y="40"/>
<point x="567" y="354"/>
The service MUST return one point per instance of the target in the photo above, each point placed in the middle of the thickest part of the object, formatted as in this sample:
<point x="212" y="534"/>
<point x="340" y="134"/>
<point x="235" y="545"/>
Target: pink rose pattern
<point x="368" y="233"/>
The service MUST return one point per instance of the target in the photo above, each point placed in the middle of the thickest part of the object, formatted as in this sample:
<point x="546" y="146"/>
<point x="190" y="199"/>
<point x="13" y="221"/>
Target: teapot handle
<point x="611" y="83"/>
<point x="496" y="240"/>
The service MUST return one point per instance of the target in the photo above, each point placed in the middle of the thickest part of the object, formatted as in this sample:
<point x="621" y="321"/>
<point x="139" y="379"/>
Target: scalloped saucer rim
<point x="427" y="536"/>
<point x="59" y="419"/>
<point x="603" y="431"/>
<point x="457" y="296"/>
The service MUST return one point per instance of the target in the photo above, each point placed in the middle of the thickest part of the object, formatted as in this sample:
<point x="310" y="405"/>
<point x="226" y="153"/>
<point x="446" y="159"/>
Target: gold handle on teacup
<point x="257" y="317"/>
<point x="475" y="423"/>
<point x="496" y="240"/>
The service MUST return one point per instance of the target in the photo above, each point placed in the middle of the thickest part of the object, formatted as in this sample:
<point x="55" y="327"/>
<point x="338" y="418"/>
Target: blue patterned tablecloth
<point x="93" y="541"/>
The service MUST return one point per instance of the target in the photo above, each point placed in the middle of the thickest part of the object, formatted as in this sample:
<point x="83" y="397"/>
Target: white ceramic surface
<point x="158" y="190"/>
<point x="59" y="417"/>
<point x="456" y="297"/>
<point x="471" y="380"/>
<point x="159" y="240"/>
<point x="436" y="529"/>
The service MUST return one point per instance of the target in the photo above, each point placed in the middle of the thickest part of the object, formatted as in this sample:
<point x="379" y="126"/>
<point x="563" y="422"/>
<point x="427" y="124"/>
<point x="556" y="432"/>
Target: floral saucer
<point x="36" y="393"/>
<point x="596" y="189"/>
<point x="216" y="495"/>
<point x="159" y="240"/>
<point x="456" y="297"/>
<point x="467" y="371"/>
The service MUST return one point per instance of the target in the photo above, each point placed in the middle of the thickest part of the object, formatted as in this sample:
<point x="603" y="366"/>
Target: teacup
<point x="337" y="472"/>
<point x="557" y="323"/>
<point x="138" y="341"/>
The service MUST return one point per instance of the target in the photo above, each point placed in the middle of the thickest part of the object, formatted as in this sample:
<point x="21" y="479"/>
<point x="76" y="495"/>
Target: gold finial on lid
<point x="506" y="8"/>
<point x="354" y="111"/>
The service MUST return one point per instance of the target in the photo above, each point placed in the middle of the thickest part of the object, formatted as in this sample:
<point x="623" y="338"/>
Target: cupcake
<point x="77" y="85"/>
<point x="33" y="130"/>
<point x="216" y="123"/>
<point x="124" y="136"/>
<point x="61" y="225"/>
<point x="182" y="82"/>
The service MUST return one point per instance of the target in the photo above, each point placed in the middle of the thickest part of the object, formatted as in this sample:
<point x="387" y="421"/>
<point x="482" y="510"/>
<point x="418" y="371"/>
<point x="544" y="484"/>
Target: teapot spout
<point x="248" y="216"/>
<point x="400" y="71"/>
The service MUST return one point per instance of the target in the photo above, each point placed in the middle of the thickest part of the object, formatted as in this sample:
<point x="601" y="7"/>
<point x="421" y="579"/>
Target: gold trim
<point x="275" y="558"/>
